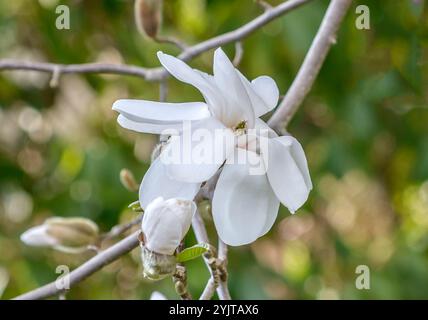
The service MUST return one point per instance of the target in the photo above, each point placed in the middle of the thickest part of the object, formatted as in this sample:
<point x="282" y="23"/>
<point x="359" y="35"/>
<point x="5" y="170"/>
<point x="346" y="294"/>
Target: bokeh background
<point x="364" y="128"/>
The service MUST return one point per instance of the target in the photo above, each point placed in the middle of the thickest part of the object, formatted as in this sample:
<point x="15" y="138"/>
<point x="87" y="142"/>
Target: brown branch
<point x="159" y="73"/>
<point x="85" y="270"/>
<point x="302" y="84"/>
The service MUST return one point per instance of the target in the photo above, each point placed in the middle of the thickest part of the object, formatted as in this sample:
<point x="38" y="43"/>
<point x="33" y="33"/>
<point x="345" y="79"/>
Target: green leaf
<point x="135" y="206"/>
<point x="193" y="252"/>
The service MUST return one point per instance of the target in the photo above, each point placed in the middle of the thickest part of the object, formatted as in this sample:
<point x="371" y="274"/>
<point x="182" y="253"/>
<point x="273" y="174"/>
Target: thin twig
<point x="264" y="5"/>
<point x="239" y="53"/>
<point x="209" y="290"/>
<point x="202" y="236"/>
<point x="121" y="228"/>
<point x="85" y="270"/>
<point x="163" y="90"/>
<point x="223" y="290"/>
<point x="159" y="73"/>
<point x="302" y="84"/>
<point x="171" y="40"/>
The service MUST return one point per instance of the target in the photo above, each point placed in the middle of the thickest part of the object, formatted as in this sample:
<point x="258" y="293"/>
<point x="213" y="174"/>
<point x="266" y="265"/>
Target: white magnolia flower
<point x="244" y="205"/>
<point x="165" y="223"/>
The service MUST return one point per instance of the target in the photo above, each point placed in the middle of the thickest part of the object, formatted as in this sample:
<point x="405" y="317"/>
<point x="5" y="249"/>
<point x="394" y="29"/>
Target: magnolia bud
<point x="165" y="223"/>
<point x="64" y="234"/>
<point x="148" y="16"/>
<point x="128" y="181"/>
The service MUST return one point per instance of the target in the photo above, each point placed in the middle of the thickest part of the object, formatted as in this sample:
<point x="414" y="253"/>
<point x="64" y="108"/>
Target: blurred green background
<point x="364" y="128"/>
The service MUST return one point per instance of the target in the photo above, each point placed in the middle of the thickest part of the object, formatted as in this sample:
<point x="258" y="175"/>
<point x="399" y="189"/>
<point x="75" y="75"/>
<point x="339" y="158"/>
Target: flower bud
<point x="148" y="16"/>
<point x="165" y="223"/>
<point x="64" y="234"/>
<point x="128" y="181"/>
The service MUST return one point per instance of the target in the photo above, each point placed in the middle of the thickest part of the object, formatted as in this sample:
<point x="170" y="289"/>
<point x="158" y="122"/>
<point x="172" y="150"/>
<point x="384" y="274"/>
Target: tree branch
<point x="302" y="84"/>
<point x="202" y="236"/>
<point x="159" y="73"/>
<point x="223" y="290"/>
<point x="85" y="270"/>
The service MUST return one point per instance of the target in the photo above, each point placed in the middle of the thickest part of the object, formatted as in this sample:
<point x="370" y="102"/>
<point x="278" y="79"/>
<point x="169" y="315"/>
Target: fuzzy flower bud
<point x="64" y="234"/>
<point x="148" y="16"/>
<point x="128" y="181"/>
<point x="165" y="223"/>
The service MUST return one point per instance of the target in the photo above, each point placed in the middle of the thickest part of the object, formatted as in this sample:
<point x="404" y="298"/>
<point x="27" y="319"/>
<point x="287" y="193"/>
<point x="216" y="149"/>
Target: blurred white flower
<point x="245" y="204"/>
<point x="157" y="296"/>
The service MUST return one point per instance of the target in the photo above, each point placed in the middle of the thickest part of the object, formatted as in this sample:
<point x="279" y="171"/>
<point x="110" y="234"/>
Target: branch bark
<point x="159" y="73"/>
<point x="85" y="270"/>
<point x="302" y="84"/>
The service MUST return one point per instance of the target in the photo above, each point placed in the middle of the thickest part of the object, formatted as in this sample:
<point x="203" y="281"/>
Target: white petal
<point x="238" y="104"/>
<point x="37" y="236"/>
<point x="157" y="183"/>
<point x="288" y="172"/>
<point x="160" y="112"/>
<point x="197" y="153"/>
<point x="264" y="129"/>
<point x="170" y="128"/>
<point x="196" y="78"/>
<point x="266" y="89"/>
<point x="244" y="205"/>
<point x="157" y="296"/>
<point x="263" y="93"/>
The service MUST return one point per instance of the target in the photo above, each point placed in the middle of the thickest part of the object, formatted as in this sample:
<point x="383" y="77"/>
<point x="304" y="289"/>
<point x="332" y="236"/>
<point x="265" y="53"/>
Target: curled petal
<point x="263" y="93"/>
<point x="266" y="88"/>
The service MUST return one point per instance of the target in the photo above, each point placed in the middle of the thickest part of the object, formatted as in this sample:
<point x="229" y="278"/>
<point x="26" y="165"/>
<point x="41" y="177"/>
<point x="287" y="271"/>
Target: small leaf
<point x="193" y="252"/>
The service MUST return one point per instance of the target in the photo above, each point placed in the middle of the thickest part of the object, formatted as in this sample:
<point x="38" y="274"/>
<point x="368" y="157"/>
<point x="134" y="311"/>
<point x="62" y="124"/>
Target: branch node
<point x="56" y="74"/>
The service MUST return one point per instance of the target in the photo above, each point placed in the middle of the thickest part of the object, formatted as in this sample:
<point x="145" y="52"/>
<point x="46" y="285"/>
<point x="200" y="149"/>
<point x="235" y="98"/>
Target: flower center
<point x="240" y="128"/>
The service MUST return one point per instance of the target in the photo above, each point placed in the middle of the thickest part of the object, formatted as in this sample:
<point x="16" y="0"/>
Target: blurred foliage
<point x="363" y="126"/>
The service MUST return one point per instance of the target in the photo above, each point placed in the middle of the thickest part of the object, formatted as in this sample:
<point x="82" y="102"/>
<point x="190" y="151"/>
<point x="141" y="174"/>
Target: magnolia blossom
<point x="245" y="203"/>
<point x="165" y="223"/>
